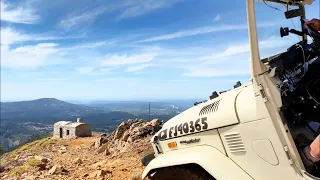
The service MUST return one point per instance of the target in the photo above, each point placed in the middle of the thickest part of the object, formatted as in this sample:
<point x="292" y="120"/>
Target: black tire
<point x="184" y="172"/>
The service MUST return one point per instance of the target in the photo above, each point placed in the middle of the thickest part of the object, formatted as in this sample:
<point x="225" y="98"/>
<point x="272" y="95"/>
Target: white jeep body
<point x="237" y="135"/>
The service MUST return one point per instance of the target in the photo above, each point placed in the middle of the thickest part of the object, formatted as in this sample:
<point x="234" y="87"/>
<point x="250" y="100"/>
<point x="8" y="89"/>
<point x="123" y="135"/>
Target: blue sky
<point x="131" y="49"/>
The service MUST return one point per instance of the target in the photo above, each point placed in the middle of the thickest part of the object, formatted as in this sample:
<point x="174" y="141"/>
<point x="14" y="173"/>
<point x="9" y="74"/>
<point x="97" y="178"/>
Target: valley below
<point x="26" y="121"/>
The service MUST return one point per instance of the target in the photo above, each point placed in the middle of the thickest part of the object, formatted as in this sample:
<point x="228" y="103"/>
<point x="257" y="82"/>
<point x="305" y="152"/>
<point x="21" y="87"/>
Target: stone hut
<point x="68" y="129"/>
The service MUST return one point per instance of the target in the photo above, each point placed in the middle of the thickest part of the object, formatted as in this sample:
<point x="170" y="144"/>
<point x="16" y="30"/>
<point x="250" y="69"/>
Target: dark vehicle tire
<point x="185" y="172"/>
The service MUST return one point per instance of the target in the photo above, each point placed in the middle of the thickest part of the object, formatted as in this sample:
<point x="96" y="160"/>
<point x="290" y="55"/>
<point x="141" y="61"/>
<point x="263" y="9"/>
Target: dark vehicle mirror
<point x="292" y="13"/>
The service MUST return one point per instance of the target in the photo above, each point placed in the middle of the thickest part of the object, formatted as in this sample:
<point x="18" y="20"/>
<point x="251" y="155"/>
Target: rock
<point x="101" y="173"/>
<point x="57" y="169"/>
<point x="92" y="175"/>
<point x="41" y="159"/>
<point x="85" y="175"/>
<point x="98" y="164"/>
<point x="62" y="151"/>
<point x="106" y="152"/>
<point x="63" y="148"/>
<point x="125" y="135"/>
<point x="97" y="143"/>
<point x="121" y="129"/>
<point x="92" y="144"/>
<point x="102" y="148"/>
<point x="97" y="174"/>
<point x="42" y="166"/>
<point x="53" y="170"/>
<point x="78" y="161"/>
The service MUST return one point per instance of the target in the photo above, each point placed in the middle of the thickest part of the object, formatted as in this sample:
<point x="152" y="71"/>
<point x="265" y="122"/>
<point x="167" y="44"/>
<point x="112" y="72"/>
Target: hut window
<point x="68" y="132"/>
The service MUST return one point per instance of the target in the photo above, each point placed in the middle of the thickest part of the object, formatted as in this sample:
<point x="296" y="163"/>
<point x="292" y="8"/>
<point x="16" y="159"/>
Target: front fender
<point x="209" y="158"/>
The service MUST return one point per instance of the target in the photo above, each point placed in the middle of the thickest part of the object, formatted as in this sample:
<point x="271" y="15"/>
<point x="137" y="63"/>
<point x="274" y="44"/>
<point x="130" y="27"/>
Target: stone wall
<point x="83" y="130"/>
<point x="56" y="132"/>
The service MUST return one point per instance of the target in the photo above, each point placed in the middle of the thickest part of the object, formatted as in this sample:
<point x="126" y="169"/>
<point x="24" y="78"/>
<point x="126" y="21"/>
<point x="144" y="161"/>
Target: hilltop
<point x="25" y="121"/>
<point x="102" y="156"/>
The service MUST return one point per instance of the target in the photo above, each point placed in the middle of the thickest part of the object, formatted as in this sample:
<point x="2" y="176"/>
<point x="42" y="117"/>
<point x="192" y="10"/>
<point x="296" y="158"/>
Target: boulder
<point x="97" y="143"/>
<point x="78" y="161"/>
<point x="57" y="169"/>
<point x="101" y="173"/>
<point x="54" y="170"/>
<point x="121" y="129"/>
<point x="41" y="159"/>
<point x="62" y="151"/>
<point x="125" y="135"/>
<point x="102" y="148"/>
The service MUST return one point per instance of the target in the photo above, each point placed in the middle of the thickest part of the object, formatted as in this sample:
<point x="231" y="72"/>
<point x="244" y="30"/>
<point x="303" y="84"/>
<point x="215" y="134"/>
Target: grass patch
<point x="18" y="171"/>
<point x="27" y="146"/>
<point x="47" y="142"/>
<point x="32" y="162"/>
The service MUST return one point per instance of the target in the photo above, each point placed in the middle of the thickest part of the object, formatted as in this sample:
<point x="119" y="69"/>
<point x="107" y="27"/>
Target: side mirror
<point x="284" y="31"/>
<point x="292" y="13"/>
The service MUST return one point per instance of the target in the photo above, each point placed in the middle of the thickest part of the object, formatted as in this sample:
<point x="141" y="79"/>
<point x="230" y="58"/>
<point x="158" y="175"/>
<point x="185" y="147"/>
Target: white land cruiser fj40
<point x="252" y="131"/>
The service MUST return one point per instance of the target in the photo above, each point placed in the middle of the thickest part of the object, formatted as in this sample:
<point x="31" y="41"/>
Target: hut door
<point x="60" y="132"/>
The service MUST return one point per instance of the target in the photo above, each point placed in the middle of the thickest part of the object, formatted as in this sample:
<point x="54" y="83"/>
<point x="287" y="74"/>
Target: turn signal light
<point x="172" y="145"/>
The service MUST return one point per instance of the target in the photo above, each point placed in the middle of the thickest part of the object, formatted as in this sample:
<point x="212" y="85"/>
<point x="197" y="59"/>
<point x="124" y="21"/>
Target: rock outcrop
<point x="114" y="156"/>
<point x="123" y="138"/>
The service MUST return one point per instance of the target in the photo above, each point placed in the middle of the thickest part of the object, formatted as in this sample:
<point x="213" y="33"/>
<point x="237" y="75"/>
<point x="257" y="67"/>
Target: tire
<point x="184" y="172"/>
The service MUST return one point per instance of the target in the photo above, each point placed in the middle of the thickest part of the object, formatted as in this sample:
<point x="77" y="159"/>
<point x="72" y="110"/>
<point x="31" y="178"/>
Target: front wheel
<point x="184" y="172"/>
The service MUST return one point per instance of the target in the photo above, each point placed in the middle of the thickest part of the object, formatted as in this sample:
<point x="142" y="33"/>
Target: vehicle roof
<point x="294" y="2"/>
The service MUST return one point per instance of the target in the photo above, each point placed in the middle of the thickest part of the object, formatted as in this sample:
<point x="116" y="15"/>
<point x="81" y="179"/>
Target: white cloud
<point x="85" y="17"/>
<point x="51" y="79"/>
<point x="205" y="71"/>
<point x="90" y="45"/>
<point x="90" y="70"/>
<point x="85" y="70"/>
<point x="217" y="18"/>
<point x="28" y="56"/>
<point x="137" y="68"/>
<point x="204" y="30"/>
<point x="235" y="59"/>
<point x="121" y="9"/>
<point x="140" y="7"/>
<point x="193" y="32"/>
<point x="117" y="60"/>
<point x="11" y="36"/>
<point x="24" y="15"/>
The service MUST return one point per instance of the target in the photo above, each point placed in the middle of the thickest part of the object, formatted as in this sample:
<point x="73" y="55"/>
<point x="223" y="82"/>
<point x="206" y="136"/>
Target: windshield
<point x="270" y="17"/>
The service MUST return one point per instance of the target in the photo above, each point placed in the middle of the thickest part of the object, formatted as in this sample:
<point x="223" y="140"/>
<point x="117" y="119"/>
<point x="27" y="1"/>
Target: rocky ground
<point x="113" y="156"/>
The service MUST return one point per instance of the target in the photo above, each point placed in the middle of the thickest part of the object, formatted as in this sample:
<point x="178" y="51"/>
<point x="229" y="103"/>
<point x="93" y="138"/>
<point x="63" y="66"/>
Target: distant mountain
<point x="45" y="107"/>
<point x="25" y="120"/>
<point x="139" y="108"/>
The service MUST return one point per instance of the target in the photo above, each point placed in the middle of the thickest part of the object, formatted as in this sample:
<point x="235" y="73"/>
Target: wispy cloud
<point x="78" y="19"/>
<point x="19" y="14"/>
<point x="193" y="32"/>
<point x="121" y="9"/>
<point x="94" y="71"/>
<point x="141" y="7"/>
<point x="30" y="56"/>
<point x="217" y="18"/>
<point x="85" y="70"/>
<point x="11" y="36"/>
<point x="117" y="60"/>
<point x="203" y="30"/>
<point x="234" y="60"/>
<point x="137" y="68"/>
<point x="51" y="79"/>
<point x="90" y="45"/>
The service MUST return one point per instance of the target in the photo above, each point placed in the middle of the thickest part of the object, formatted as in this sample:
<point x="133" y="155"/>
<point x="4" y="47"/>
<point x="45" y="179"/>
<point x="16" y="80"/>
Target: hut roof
<point x="62" y="123"/>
